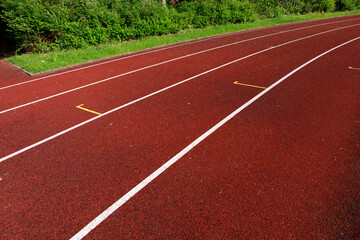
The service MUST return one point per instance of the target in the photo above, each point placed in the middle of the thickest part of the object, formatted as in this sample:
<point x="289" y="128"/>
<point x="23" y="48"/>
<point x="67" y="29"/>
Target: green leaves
<point x="47" y="25"/>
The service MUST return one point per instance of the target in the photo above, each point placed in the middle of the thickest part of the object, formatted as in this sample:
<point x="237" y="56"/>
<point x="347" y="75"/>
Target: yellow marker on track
<point x="354" y="68"/>
<point x="87" y="109"/>
<point x="248" y="85"/>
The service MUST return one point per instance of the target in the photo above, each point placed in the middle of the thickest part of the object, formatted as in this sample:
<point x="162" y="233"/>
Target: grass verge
<point x="36" y="63"/>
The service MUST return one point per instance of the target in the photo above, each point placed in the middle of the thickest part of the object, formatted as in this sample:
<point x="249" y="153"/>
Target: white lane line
<point x="152" y="94"/>
<point x="99" y="219"/>
<point x="166" y="48"/>
<point x="161" y="63"/>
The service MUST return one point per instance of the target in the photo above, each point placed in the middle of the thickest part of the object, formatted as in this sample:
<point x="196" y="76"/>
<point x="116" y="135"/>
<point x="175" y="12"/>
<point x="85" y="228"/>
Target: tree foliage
<point x="46" y="25"/>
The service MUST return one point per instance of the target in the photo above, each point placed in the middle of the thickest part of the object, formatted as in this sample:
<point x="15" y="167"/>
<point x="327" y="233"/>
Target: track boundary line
<point x="161" y="63"/>
<point x="152" y="94"/>
<point x="170" y="47"/>
<point x="105" y="214"/>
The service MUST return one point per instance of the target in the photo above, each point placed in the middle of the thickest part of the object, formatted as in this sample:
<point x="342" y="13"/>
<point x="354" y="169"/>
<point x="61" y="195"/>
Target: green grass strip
<point x="36" y="62"/>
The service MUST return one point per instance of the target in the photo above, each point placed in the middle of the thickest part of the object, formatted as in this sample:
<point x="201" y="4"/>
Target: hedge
<point x="48" y="25"/>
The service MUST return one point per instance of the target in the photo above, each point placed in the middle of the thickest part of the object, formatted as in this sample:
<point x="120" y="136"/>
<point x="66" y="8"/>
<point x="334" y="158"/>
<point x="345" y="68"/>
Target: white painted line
<point x="150" y="95"/>
<point x="169" y="47"/>
<point x="161" y="63"/>
<point x="99" y="219"/>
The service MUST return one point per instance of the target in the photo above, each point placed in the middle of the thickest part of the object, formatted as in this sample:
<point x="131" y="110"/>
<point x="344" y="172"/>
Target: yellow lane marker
<point x="87" y="109"/>
<point x="248" y="85"/>
<point x="354" y="68"/>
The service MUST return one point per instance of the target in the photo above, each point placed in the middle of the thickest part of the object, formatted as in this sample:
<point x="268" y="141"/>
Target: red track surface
<point x="10" y="74"/>
<point x="286" y="167"/>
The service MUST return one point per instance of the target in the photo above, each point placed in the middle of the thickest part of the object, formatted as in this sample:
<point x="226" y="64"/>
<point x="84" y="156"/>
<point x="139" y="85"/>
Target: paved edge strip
<point x="171" y="60"/>
<point x="166" y="48"/>
<point x="99" y="219"/>
<point x="154" y="93"/>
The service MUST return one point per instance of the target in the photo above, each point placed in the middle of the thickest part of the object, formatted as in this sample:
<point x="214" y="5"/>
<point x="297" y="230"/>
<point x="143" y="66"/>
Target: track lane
<point x="61" y="114"/>
<point x="39" y="90"/>
<point x="66" y="171"/>
<point x="281" y="169"/>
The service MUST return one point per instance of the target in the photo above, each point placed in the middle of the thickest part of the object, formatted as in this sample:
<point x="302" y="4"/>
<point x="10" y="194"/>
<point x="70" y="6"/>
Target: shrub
<point x="47" y="25"/>
<point x="41" y="26"/>
<point x="342" y="5"/>
<point x="323" y="5"/>
<point x="208" y="12"/>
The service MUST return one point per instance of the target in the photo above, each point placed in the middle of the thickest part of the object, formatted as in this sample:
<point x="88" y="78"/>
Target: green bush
<point x="41" y="26"/>
<point x="319" y="5"/>
<point x="342" y="5"/>
<point x="274" y="8"/>
<point x="47" y="25"/>
<point x="208" y="12"/>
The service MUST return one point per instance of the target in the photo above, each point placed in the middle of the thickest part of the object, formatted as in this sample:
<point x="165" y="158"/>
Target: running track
<point x="181" y="151"/>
